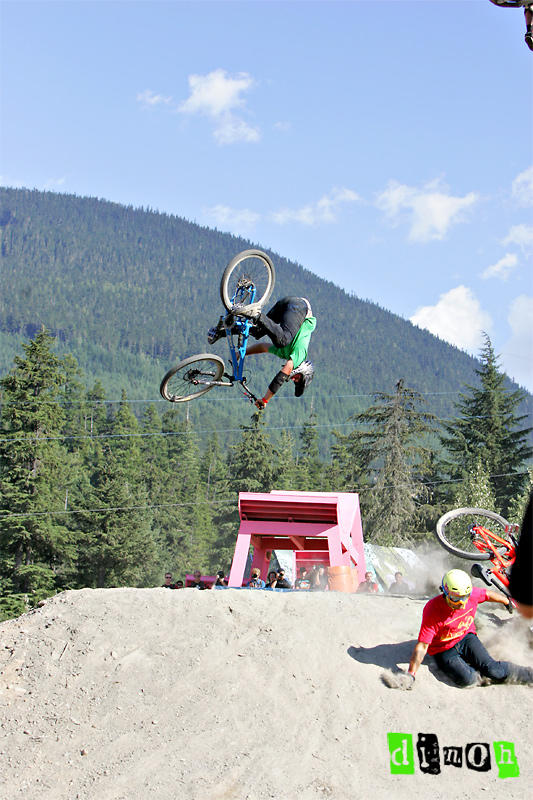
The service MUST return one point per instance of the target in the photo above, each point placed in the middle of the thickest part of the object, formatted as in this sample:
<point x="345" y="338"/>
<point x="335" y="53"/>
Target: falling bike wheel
<point x="191" y="378"/>
<point x="455" y="535"/>
<point x="248" y="270"/>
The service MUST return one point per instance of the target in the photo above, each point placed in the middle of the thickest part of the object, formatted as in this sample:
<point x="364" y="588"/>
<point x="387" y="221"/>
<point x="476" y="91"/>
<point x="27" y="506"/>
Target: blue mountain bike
<point x="248" y="278"/>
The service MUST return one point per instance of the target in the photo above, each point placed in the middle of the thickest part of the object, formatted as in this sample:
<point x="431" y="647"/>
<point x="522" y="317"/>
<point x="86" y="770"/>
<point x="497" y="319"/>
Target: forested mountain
<point x="102" y="483"/>
<point x="130" y="291"/>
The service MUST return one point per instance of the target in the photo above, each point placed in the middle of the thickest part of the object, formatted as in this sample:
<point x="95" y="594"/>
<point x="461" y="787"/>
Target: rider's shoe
<point x="529" y="39"/>
<point x="216" y="332"/>
<point x="251" y="310"/>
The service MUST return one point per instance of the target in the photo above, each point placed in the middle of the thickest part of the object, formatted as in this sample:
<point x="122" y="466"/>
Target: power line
<point x="40" y="401"/>
<point x="198" y="431"/>
<point x="25" y="514"/>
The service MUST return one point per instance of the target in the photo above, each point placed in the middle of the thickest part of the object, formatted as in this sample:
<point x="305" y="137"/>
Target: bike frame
<point x="492" y="543"/>
<point x="237" y="334"/>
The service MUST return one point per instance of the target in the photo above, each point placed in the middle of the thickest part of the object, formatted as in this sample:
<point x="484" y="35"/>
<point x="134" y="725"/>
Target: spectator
<point x="178" y="585"/>
<point x="220" y="580"/>
<point x="319" y="579"/>
<point x="303" y="583"/>
<point x="198" y="582"/>
<point x="399" y="586"/>
<point x="255" y="581"/>
<point x="272" y="580"/>
<point x="168" y="581"/>
<point x="282" y="582"/>
<point x="368" y="585"/>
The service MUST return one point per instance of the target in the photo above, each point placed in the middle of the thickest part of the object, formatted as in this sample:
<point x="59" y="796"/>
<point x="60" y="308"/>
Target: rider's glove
<point x="261" y="403"/>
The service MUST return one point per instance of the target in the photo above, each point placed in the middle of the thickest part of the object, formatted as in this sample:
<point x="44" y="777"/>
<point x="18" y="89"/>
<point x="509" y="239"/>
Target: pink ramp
<point x="329" y="521"/>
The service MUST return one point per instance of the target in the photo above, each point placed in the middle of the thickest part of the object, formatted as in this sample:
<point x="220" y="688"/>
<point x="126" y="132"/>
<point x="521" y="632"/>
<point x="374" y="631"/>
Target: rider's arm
<point x="286" y="370"/>
<point x="497" y="597"/>
<point x="419" y="651"/>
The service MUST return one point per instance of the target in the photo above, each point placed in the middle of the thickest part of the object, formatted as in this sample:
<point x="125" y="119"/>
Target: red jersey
<point x="442" y="627"/>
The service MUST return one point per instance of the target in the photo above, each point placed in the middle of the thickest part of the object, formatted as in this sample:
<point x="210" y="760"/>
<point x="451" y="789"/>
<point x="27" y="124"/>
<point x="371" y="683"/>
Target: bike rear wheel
<point x="247" y="270"/>
<point x="191" y="378"/>
<point x="454" y="535"/>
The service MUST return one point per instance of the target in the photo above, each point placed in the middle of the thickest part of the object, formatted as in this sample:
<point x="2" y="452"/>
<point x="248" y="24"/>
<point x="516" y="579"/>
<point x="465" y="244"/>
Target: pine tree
<point x="253" y="464"/>
<point x="476" y="490"/>
<point x="118" y="548"/>
<point x="287" y="471"/>
<point x="487" y="428"/>
<point x="392" y="443"/>
<point x="35" y="474"/>
<point x="310" y="466"/>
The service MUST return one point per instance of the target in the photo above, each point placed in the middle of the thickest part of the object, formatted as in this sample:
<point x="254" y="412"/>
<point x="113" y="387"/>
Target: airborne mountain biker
<point x="289" y="325"/>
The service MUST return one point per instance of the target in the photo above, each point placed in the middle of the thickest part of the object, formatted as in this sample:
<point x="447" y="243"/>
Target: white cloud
<point x="324" y="210"/>
<point x="232" y="129"/>
<point x="430" y="211"/>
<point x="517" y="353"/>
<point x="503" y="268"/>
<point x="149" y="98"/>
<point x="522" y="187"/>
<point x="217" y="95"/>
<point x="282" y="126"/>
<point x="232" y="218"/>
<point x="457" y="318"/>
<point x="521" y="235"/>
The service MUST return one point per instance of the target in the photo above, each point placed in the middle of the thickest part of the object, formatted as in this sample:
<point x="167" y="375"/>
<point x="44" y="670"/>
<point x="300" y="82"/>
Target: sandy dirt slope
<point x="142" y="693"/>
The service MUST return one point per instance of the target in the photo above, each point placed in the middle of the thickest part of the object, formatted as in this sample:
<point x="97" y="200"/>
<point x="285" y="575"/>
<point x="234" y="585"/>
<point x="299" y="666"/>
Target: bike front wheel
<point x="191" y="378"/>
<point x="247" y="271"/>
<point x="454" y="531"/>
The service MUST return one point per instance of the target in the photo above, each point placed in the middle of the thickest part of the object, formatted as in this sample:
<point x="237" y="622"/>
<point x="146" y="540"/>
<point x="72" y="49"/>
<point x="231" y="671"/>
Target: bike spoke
<point x="464" y="533"/>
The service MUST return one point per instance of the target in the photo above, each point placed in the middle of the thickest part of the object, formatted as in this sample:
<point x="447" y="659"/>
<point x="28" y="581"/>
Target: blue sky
<point x="385" y="145"/>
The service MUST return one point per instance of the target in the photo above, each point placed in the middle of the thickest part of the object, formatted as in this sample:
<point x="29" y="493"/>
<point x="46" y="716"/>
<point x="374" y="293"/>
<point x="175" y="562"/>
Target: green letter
<point x="506" y="760"/>
<point x="402" y="761"/>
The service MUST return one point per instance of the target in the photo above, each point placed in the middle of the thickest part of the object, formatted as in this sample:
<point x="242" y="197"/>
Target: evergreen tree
<point x="517" y="506"/>
<point x="476" y="490"/>
<point x="310" y="466"/>
<point x="392" y="442"/>
<point x="118" y="549"/>
<point x="349" y="462"/>
<point x="253" y="464"/>
<point x="487" y="428"/>
<point x="35" y="474"/>
<point x="287" y="472"/>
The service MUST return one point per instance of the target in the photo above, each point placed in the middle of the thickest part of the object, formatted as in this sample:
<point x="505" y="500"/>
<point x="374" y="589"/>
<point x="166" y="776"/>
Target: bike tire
<point x="452" y="531"/>
<point x="259" y="270"/>
<point x="178" y="379"/>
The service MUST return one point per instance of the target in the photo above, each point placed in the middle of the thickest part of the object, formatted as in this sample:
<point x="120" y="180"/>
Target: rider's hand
<point x="398" y="680"/>
<point x="260" y="404"/>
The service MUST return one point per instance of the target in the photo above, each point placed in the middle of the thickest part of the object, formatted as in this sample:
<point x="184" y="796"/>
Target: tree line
<point x="93" y="494"/>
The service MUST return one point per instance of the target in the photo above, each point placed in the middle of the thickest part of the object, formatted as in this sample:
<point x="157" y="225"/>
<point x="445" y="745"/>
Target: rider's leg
<point x="455" y="667"/>
<point x="528" y="13"/>
<point x="475" y="653"/>
<point x="284" y="320"/>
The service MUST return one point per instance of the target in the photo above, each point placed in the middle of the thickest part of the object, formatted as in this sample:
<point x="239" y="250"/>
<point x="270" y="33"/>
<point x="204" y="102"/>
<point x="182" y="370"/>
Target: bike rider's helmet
<point x="456" y="587"/>
<point x="307" y="371"/>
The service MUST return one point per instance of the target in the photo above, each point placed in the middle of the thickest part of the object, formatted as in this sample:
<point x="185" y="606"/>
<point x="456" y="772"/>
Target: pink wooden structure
<point x="319" y="521"/>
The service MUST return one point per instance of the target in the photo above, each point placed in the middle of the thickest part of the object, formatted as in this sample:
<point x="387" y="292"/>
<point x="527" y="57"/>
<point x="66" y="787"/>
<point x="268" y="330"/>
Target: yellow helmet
<point x="456" y="587"/>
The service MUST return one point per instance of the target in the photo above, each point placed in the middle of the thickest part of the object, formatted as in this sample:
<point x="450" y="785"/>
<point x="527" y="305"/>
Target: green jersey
<point x="297" y="349"/>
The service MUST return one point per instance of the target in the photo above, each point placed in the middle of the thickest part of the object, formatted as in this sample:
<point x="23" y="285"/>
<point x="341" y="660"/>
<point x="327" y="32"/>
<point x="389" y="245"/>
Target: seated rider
<point x="289" y="324"/>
